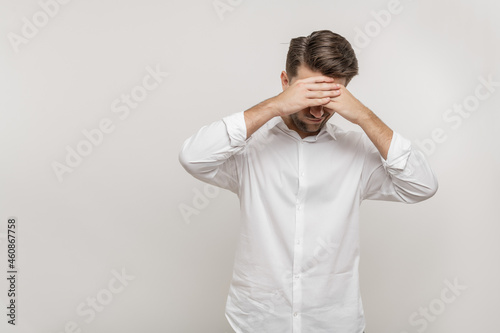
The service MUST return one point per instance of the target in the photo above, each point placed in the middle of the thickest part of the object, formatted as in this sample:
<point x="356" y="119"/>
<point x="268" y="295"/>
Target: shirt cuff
<point x="236" y="128"/>
<point x="398" y="154"/>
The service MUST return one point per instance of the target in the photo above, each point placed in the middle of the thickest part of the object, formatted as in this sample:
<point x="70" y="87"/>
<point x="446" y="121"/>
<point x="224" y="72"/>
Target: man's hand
<point x="346" y="105"/>
<point x="313" y="91"/>
<point x="353" y="110"/>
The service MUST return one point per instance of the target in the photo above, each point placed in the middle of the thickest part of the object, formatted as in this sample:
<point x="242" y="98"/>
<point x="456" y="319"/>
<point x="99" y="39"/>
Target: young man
<point x="300" y="181"/>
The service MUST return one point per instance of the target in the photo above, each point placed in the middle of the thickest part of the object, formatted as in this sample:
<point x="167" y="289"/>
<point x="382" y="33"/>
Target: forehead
<point x="304" y="72"/>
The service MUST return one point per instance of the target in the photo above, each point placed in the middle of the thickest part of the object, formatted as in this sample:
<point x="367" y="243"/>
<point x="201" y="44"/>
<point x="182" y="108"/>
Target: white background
<point x="119" y="210"/>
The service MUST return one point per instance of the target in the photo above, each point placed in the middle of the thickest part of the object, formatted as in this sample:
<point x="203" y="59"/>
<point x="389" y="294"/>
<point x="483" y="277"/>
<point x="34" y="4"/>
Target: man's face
<point x="308" y="121"/>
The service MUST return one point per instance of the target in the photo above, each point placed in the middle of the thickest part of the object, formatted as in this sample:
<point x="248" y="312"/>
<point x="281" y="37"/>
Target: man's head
<point x="321" y="53"/>
<point x="325" y="52"/>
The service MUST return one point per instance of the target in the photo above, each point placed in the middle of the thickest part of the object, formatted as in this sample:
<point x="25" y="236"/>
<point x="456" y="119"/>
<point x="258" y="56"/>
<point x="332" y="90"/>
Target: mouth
<point x="315" y="120"/>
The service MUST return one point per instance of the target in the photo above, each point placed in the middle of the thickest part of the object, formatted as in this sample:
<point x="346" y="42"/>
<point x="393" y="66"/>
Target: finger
<point x="318" y="79"/>
<point x="322" y="93"/>
<point x="323" y="86"/>
<point x="318" y="101"/>
<point x="328" y="106"/>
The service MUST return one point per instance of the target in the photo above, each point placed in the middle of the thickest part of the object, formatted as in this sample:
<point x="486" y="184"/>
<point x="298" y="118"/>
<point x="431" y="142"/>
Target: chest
<point x="322" y="168"/>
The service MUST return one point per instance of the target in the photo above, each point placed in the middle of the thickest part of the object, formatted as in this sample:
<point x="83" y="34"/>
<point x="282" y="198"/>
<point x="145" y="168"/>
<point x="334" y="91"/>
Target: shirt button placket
<point x="297" y="255"/>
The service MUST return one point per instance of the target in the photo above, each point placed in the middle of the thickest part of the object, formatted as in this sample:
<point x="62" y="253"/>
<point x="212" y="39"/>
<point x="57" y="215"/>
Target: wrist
<point x="272" y="107"/>
<point x="366" y="117"/>
<point x="258" y="115"/>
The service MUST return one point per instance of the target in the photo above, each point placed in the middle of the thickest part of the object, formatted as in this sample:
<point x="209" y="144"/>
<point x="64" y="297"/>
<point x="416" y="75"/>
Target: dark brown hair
<point x="322" y="51"/>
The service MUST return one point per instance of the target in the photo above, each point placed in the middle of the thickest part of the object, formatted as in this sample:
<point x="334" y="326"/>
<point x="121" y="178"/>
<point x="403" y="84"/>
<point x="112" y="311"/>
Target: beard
<point x="307" y="128"/>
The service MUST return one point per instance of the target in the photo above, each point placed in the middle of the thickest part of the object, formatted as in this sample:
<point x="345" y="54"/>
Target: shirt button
<point x="302" y="174"/>
<point x="298" y="242"/>
<point x="295" y="314"/>
<point x="299" y="207"/>
<point x="296" y="276"/>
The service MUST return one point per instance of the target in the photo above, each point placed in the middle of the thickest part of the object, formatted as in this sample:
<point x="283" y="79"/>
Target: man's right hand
<point x="313" y="91"/>
<point x="300" y="95"/>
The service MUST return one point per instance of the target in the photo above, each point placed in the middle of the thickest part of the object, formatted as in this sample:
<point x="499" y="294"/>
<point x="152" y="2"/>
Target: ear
<point x="285" y="82"/>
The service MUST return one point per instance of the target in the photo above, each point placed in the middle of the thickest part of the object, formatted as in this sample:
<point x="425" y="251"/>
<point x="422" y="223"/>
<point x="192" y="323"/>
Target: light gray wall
<point x="119" y="209"/>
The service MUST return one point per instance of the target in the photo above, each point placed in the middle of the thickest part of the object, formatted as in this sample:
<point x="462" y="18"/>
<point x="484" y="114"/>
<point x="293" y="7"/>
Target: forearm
<point x="378" y="132"/>
<point x="258" y="115"/>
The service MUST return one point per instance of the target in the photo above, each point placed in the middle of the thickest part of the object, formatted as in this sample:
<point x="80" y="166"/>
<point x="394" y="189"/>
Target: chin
<point x="313" y="128"/>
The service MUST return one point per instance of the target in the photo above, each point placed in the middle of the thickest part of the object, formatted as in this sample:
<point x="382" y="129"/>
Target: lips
<point x="315" y="120"/>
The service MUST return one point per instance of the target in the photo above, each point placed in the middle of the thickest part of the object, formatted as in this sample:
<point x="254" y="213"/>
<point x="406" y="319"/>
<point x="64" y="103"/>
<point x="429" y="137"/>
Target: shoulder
<point x="261" y="138"/>
<point x="355" y="139"/>
<point x="344" y="135"/>
<point x="266" y="130"/>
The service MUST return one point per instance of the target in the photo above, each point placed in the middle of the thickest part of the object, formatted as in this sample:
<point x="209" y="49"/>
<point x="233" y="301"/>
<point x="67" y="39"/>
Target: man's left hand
<point x="348" y="106"/>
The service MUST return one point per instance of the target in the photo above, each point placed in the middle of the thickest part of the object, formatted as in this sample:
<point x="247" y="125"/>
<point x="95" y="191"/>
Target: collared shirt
<point x="296" y="262"/>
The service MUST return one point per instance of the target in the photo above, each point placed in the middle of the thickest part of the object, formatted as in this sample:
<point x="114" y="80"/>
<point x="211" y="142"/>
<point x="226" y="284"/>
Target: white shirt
<point x="296" y="262"/>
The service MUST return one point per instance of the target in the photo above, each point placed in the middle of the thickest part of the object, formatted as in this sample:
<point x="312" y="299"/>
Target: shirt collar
<point x="328" y="129"/>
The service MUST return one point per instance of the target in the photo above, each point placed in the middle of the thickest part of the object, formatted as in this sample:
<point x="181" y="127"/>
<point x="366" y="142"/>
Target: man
<point x="300" y="181"/>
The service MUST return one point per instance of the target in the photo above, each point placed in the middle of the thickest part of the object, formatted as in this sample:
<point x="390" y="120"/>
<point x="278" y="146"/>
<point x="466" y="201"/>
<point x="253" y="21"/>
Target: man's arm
<point x="404" y="174"/>
<point x="378" y="132"/>
<point x="209" y="154"/>
<point x="354" y="111"/>
<point x="301" y="94"/>
<point x="260" y="114"/>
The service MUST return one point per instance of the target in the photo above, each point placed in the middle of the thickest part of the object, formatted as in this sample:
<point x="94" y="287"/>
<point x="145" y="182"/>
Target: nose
<point x="317" y="111"/>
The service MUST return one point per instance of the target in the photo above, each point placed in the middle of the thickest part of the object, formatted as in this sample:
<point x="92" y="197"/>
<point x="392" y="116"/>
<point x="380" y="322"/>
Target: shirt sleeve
<point x="405" y="176"/>
<point x="209" y="155"/>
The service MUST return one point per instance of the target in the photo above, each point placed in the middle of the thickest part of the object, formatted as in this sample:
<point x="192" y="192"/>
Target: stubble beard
<point x="304" y="127"/>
